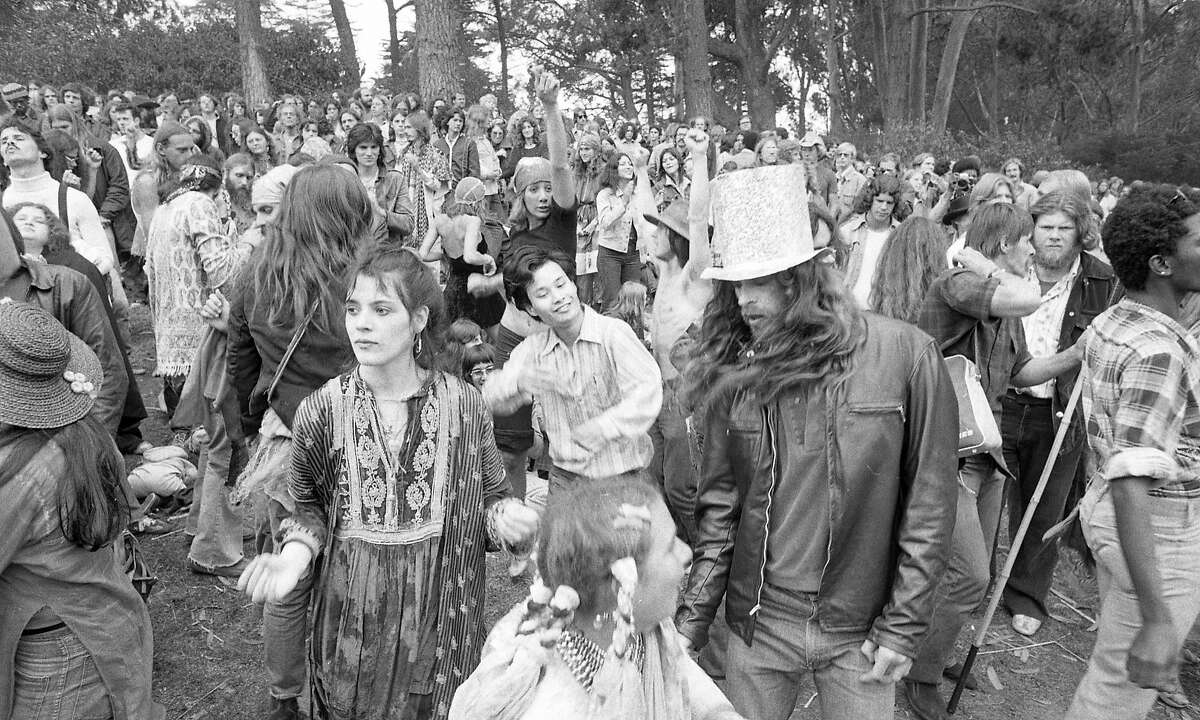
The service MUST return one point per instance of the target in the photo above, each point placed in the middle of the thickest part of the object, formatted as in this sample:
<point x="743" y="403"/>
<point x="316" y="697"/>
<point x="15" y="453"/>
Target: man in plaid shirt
<point x="1141" y="514"/>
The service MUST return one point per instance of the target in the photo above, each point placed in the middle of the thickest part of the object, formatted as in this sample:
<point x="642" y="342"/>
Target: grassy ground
<point x="208" y="637"/>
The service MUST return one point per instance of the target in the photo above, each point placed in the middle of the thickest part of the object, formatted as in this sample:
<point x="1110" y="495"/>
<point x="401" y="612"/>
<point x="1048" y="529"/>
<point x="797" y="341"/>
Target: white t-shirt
<point x="872" y="247"/>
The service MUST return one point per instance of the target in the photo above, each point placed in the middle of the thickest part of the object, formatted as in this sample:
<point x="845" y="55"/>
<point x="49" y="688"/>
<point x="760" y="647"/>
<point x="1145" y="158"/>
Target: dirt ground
<point x="208" y="637"/>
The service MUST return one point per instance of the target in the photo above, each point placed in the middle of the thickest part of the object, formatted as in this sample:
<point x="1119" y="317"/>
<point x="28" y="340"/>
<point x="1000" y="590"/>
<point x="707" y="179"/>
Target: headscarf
<point x="530" y="170"/>
<point x="268" y="189"/>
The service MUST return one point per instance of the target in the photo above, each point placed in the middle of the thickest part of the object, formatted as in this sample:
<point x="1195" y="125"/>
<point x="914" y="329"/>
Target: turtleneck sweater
<point x="87" y="234"/>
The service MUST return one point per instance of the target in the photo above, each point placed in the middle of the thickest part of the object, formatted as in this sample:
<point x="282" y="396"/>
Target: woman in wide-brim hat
<point x="75" y="638"/>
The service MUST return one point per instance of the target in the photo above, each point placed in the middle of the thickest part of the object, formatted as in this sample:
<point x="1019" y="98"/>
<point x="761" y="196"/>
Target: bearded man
<point x="239" y="175"/>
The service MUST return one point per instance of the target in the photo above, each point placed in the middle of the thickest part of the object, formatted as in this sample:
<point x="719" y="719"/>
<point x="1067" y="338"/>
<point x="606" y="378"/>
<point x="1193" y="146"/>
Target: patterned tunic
<point x="398" y="597"/>
<point x="435" y="163"/>
<point x="189" y="253"/>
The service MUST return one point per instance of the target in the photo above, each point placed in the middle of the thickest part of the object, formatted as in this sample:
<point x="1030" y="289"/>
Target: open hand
<point x="545" y="85"/>
<point x="270" y="577"/>
<point x="517" y="524"/>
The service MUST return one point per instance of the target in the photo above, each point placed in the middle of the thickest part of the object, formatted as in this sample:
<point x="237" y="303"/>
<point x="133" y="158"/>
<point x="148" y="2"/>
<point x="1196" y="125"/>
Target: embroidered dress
<point x="401" y="527"/>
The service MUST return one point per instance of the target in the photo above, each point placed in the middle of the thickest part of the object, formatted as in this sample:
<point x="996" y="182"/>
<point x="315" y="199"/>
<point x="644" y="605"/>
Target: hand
<point x="70" y="179"/>
<point x="411" y="159"/>
<point x="489" y="265"/>
<point x="975" y="261"/>
<point x="696" y="141"/>
<point x="215" y="311"/>
<point x="517" y="524"/>
<point x="545" y="85"/>
<point x="889" y="666"/>
<point x="1153" y="660"/>
<point x="534" y="379"/>
<point x="92" y="158"/>
<point x="270" y="577"/>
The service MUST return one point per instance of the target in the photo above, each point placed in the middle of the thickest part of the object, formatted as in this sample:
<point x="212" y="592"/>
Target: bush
<point x="1156" y="157"/>
<point x="908" y="141"/>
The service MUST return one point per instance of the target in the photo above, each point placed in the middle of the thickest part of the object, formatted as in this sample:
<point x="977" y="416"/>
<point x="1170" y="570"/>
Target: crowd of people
<point x="809" y="382"/>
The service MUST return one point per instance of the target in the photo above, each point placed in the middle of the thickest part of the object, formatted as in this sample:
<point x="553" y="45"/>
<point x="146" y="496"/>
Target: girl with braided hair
<point x="595" y="638"/>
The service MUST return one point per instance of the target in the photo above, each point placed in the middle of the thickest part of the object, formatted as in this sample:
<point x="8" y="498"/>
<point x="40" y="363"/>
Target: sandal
<point x="1174" y="697"/>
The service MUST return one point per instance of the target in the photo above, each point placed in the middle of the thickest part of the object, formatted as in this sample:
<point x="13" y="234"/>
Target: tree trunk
<point x="918" y="60"/>
<point x="502" y="41"/>
<point x="350" y="70"/>
<point x="255" y="86"/>
<point x="1136" y="55"/>
<point x="438" y="50"/>
<point x="697" y="78"/>
<point x="837" y="126"/>
<point x="944" y="92"/>
<point x="627" y="99"/>
<point x="755" y="66"/>
<point x="890" y="23"/>
<point x="649" y="80"/>
<point x="393" y="45"/>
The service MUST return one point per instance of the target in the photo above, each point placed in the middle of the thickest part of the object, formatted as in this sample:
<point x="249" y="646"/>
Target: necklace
<point x="584" y="658"/>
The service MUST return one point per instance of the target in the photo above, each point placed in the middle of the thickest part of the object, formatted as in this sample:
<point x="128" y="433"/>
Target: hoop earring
<point x="417" y="345"/>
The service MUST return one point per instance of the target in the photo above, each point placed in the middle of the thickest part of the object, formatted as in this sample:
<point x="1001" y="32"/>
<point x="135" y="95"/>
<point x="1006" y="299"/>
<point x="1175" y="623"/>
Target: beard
<point x="239" y="197"/>
<point x="1056" y="258"/>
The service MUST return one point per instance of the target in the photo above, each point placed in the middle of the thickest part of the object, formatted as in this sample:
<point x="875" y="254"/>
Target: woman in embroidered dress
<point x="602" y="644"/>
<point x="398" y="487"/>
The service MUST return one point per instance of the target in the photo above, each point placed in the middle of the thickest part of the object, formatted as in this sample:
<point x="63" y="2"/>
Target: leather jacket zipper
<point x="762" y="569"/>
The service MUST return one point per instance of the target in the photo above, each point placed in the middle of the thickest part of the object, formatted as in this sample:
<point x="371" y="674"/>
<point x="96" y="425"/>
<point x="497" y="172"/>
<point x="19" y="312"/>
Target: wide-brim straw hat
<point x="760" y="223"/>
<point x="36" y="353"/>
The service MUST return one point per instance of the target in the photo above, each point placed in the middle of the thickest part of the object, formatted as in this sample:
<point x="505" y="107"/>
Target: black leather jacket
<point x="892" y="434"/>
<point x="1095" y="290"/>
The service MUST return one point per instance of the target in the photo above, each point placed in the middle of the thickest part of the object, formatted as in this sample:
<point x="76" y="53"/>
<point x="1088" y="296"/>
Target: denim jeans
<point x="615" y="269"/>
<point x="671" y="466"/>
<point x="1028" y="431"/>
<point x="1105" y="691"/>
<point x="214" y="522"/>
<point x="514" y="469"/>
<point x="55" y="678"/>
<point x="980" y="493"/>
<point x="763" y="678"/>
<point x="285" y="627"/>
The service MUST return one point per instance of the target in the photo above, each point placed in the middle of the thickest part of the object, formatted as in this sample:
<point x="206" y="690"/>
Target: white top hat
<point x="760" y="223"/>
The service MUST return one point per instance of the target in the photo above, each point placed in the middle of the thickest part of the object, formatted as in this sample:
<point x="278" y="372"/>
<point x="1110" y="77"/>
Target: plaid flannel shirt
<point x="1141" y="370"/>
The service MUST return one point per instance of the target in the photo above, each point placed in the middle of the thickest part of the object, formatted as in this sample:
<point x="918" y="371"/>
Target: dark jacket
<point x="111" y="195"/>
<point x="256" y="348"/>
<point x="1095" y="290"/>
<point x="891" y="432"/>
<point x="464" y="159"/>
<point x="71" y="299"/>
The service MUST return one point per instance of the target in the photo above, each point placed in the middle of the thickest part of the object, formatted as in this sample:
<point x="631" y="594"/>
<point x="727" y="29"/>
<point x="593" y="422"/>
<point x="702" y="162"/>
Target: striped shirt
<point x="1141" y="370"/>
<point x="607" y="379"/>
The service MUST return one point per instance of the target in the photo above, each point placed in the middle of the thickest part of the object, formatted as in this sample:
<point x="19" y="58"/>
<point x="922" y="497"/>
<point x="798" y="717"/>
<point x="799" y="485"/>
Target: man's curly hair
<point x="1148" y="222"/>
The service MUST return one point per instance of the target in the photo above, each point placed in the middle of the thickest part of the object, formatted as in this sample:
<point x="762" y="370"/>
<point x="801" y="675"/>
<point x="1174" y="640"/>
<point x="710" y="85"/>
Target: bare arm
<point x="1039" y="370"/>
<point x="1015" y="296"/>
<point x="471" y="236"/>
<point x="562" y="181"/>
<point x="427" y="252"/>
<point x="698" y="251"/>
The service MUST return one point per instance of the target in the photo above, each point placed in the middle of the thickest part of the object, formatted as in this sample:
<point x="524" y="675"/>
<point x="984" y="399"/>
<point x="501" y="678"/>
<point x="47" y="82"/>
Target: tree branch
<point x="725" y="50"/>
<point x="971" y="8"/>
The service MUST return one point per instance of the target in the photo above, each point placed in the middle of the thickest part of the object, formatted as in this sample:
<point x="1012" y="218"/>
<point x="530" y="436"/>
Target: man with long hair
<point x="828" y="469"/>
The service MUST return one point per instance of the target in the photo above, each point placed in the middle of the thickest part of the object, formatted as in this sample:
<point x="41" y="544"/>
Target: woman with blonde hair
<point x="992" y="188"/>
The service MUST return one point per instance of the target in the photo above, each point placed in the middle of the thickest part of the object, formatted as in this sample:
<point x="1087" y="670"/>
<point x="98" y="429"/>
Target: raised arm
<point x="562" y="181"/>
<point x="698" y="251"/>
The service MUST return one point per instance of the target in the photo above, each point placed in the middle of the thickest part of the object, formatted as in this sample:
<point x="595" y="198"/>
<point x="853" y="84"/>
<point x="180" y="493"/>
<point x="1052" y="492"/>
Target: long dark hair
<point x="92" y="506"/>
<point x="808" y="345"/>
<point x="911" y="260"/>
<point x="402" y="272"/>
<point x="324" y="217"/>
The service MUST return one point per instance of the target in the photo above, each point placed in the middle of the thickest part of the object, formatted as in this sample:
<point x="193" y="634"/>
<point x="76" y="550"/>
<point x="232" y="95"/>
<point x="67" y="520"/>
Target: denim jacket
<point x="892" y="439"/>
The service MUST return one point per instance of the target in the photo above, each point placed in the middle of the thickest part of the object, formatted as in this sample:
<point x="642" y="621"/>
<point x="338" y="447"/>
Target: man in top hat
<point x="827" y="488"/>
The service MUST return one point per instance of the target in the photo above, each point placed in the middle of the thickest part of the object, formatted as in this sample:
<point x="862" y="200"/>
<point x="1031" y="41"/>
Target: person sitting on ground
<point x="595" y="637"/>
<point x="75" y="637"/>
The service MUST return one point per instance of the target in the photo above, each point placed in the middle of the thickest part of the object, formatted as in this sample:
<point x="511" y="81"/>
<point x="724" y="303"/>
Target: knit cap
<point x="14" y="91"/>
<point x="530" y="170"/>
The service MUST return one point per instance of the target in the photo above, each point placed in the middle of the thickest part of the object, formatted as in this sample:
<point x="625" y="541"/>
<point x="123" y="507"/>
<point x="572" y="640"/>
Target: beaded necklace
<point x="584" y="658"/>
